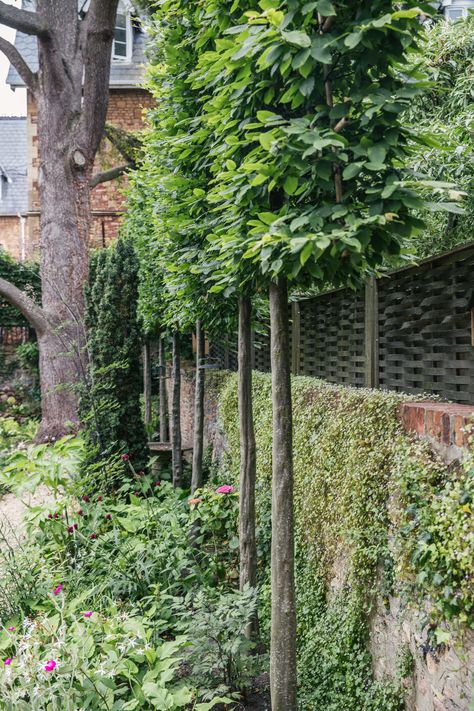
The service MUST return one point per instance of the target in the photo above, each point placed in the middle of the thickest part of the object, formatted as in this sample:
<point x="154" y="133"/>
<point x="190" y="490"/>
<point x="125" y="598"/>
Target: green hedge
<point x="368" y="499"/>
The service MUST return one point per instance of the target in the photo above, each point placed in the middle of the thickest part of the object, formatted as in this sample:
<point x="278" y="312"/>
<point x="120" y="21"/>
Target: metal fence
<point x="411" y="331"/>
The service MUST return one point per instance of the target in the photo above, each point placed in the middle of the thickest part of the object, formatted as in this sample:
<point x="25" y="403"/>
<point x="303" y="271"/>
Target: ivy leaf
<point x="298" y="38"/>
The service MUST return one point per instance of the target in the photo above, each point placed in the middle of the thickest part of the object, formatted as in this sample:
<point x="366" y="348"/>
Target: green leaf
<point x="266" y="116"/>
<point x="377" y="154"/>
<point x="353" y="39"/>
<point x="326" y="8"/>
<point x="298" y="38"/>
<point x="267" y="217"/>
<point x="266" y="140"/>
<point x="306" y="253"/>
<point x="290" y="185"/>
<point x="307" y="86"/>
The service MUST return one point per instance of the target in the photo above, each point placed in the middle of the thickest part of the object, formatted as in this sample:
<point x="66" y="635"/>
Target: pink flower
<point x="125" y="457"/>
<point x="50" y="665"/>
<point x="93" y="536"/>
<point x="11" y="629"/>
<point x="50" y="515"/>
<point x="7" y="662"/>
<point x="89" y="613"/>
<point x="225" y="489"/>
<point x="57" y="590"/>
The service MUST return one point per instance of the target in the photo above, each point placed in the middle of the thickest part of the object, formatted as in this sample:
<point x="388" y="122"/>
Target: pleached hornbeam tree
<point x="70" y="90"/>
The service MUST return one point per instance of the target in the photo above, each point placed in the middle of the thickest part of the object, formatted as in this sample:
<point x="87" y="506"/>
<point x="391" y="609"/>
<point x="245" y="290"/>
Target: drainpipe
<point x="22" y="237"/>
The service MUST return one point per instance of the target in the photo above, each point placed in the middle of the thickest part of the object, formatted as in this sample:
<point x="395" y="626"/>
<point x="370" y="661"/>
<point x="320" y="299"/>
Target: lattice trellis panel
<point x="332" y="337"/>
<point x="425" y="328"/>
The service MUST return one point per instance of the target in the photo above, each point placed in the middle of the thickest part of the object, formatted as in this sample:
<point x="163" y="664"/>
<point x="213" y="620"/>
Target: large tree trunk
<point x="198" y="440"/>
<point x="71" y="93"/>
<point x="283" y="623"/>
<point x="248" y="461"/>
<point x="176" y="444"/>
<point x="163" y="395"/>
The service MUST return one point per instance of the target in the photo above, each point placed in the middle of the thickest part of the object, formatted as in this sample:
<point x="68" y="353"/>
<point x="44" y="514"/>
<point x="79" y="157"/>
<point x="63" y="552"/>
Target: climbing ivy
<point x="376" y="513"/>
<point x="24" y="275"/>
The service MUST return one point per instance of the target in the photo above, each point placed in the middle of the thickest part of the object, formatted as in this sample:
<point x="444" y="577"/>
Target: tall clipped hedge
<point x="375" y="512"/>
<point x="111" y="403"/>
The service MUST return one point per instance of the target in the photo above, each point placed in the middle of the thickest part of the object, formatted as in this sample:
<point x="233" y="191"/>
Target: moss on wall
<point x="376" y="514"/>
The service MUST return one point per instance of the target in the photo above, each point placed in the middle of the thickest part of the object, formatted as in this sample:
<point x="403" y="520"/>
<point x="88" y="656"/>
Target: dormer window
<point x="123" y="37"/>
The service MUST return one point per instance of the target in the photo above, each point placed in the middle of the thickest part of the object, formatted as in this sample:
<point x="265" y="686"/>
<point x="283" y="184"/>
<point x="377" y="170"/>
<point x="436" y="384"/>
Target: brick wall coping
<point x="446" y="426"/>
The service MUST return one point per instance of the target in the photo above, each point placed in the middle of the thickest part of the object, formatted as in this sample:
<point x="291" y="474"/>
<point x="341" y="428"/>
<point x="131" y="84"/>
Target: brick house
<point x="127" y="101"/>
<point x="13" y="185"/>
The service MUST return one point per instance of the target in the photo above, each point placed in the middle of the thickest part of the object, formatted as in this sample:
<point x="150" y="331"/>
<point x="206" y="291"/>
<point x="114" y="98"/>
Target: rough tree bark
<point x="248" y="461"/>
<point x="283" y="618"/>
<point x="176" y="444"/>
<point x="71" y="93"/>
<point x="198" y="439"/>
<point x="163" y="395"/>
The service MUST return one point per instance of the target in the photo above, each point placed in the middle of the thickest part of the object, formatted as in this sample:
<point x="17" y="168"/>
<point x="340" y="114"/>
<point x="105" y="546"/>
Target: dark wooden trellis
<point x="411" y="331"/>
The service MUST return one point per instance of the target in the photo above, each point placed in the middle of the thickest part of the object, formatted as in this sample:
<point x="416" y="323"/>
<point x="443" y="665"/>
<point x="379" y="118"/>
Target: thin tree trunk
<point x="147" y="381"/>
<point x="248" y="463"/>
<point x="198" y="443"/>
<point x="163" y="393"/>
<point x="176" y="445"/>
<point x="283" y="624"/>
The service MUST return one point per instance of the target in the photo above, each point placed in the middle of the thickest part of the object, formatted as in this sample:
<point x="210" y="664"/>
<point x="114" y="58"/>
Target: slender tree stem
<point x="176" y="443"/>
<point x="198" y="443"/>
<point x="283" y="629"/>
<point x="163" y="394"/>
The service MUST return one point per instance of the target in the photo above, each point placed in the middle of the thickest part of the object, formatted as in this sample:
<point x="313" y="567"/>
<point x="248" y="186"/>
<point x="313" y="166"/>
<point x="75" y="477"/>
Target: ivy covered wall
<point x="379" y="517"/>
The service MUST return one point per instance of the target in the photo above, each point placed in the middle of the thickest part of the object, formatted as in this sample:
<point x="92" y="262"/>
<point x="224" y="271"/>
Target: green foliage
<point x="26" y="277"/>
<point x="163" y="608"/>
<point x="447" y="110"/>
<point x="220" y="654"/>
<point x="111" y="402"/>
<point x="108" y="660"/>
<point x="366" y="495"/>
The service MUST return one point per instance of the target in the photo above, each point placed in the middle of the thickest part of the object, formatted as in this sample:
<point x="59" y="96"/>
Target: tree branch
<point x="30" y="310"/>
<point x="30" y="23"/>
<point x="15" y="58"/>
<point x="97" y="50"/>
<point x="109" y="174"/>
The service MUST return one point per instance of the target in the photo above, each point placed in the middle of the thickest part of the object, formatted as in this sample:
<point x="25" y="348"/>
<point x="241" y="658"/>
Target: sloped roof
<point x="122" y="74"/>
<point x="13" y="165"/>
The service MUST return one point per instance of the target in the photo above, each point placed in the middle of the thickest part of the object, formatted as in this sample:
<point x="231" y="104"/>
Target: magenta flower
<point x="7" y="662"/>
<point x="89" y="613"/>
<point x="108" y="517"/>
<point x="93" y="536"/>
<point x="86" y="499"/>
<point x="11" y="629"/>
<point x="100" y="498"/>
<point x="157" y="483"/>
<point x="50" y="515"/>
<point x="225" y="489"/>
<point x="57" y="590"/>
<point x="50" y="665"/>
<point x="125" y="457"/>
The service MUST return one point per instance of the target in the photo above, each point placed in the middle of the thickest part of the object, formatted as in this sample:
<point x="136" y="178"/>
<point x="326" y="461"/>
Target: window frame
<point x="127" y="58"/>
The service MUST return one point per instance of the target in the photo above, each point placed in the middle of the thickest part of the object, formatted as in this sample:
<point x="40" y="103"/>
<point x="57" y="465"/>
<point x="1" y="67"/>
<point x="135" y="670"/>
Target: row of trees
<point x="276" y="159"/>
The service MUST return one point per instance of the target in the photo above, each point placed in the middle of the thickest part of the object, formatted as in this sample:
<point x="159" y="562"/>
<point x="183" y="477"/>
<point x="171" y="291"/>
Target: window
<point x="456" y="9"/>
<point x="123" y="37"/>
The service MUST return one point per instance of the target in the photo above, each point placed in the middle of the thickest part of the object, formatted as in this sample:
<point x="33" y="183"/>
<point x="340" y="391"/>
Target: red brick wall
<point x="446" y="426"/>
<point x="10" y="235"/>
